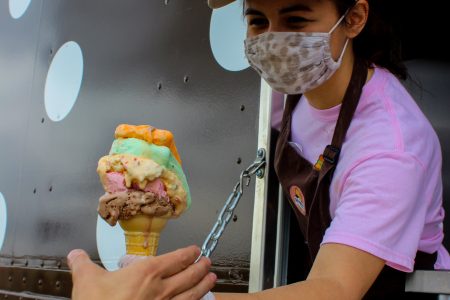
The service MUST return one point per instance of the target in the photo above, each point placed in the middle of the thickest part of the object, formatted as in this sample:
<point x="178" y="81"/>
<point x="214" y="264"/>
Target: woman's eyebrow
<point x="252" y="11"/>
<point x="297" y="7"/>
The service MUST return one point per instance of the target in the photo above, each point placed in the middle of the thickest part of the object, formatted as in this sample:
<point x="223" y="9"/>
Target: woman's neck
<point x="332" y="92"/>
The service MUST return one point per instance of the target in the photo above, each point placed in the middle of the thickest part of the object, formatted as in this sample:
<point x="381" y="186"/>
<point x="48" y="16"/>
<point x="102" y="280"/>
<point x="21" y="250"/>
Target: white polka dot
<point x="110" y="244"/>
<point x="3" y="220"/>
<point x="63" y="81"/>
<point x="18" y="7"/>
<point x="227" y="34"/>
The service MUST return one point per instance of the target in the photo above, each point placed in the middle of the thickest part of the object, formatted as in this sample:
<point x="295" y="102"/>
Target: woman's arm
<point x="339" y="272"/>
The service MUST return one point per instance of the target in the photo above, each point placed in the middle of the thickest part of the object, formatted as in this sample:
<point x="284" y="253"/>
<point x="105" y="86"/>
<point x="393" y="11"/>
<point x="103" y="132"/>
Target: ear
<point x="356" y="18"/>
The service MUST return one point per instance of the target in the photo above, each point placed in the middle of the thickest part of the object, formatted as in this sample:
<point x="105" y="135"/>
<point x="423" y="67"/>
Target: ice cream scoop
<point x="144" y="185"/>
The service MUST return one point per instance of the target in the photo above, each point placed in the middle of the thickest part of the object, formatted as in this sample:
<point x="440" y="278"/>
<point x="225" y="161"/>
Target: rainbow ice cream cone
<point x="145" y="185"/>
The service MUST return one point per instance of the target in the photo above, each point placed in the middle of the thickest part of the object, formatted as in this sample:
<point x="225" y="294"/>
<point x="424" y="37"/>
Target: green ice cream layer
<point x="159" y="154"/>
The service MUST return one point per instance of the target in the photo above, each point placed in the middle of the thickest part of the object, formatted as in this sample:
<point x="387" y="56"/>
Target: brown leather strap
<point x="350" y="102"/>
<point x="348" y="108"/>
<point x="291" y="103"/>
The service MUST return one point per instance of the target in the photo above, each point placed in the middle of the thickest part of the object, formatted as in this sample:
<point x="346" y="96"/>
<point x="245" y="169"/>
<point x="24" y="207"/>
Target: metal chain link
<point x="257" y="167"/>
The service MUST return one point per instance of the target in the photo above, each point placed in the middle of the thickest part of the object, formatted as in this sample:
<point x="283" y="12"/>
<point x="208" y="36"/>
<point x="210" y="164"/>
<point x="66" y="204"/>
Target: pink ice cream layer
<point x="115" y="182"/>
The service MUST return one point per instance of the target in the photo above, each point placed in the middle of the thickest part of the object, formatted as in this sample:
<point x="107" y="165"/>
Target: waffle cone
<point x="142" y="234"/>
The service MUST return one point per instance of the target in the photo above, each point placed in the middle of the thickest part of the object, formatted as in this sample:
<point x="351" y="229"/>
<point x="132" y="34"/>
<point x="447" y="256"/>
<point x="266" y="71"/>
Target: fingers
<point x="174" y="262"/>
<point x="200" y="289"/>
<point x="188" y="278"/>
<point x="80" y="263"/>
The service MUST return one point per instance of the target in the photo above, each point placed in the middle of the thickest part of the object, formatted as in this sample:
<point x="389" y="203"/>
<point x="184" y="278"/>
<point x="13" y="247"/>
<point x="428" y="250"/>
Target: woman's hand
<point x="169" y="276"/>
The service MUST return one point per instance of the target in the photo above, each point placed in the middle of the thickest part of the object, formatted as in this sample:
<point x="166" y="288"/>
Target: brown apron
<point x="307" y="186"/>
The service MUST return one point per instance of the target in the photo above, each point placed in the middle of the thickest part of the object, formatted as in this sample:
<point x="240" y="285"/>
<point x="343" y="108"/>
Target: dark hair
<point x="378" y="43"/>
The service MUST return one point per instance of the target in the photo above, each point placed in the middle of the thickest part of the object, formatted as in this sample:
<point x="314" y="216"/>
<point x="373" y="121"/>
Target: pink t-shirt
<point x="386" y="193"/>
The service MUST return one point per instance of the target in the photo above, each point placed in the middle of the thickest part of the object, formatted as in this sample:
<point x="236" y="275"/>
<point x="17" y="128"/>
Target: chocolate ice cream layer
<point x="124" y="205"/>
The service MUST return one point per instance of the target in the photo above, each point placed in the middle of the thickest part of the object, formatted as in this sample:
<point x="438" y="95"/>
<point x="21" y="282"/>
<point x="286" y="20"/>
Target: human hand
<point x="127" y="260"/>
<point x="169" y="276"/>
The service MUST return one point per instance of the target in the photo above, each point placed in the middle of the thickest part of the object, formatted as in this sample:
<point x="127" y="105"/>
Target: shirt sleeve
<point x="382" y="208"/>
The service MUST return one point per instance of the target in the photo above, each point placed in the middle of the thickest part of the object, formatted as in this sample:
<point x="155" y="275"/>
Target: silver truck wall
<point x="144" y="62"/>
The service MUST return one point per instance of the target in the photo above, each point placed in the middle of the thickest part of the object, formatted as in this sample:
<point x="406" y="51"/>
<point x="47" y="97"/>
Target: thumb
<point x="79" y="260"/>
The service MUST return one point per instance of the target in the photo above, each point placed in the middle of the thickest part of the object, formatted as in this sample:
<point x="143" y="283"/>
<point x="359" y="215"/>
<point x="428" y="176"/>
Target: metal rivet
<point x="42" y="120"/>
<point x="34" y="191"/>
<point x="234" y="275"/>
<point x="260" y="173"/>
<point x="40" y="282"/>
<point x="242" y="107"/>
<point x="166" y="2"/>
<point x="239" y="160"/>
<point x="58" y="284"/>
<point x="50" y="189"/>
<point x="235" y="218"/>
<point x="260" y="152"/>
<point x="24" y="279"/>
<point x="186" y="79"/>
<point x="9" y="278"/>
<point x="159" y="86"/>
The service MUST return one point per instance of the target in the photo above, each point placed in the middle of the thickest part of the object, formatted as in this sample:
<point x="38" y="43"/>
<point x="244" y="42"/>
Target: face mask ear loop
<point x="335" y="26"/>
<point x="341" y="18"/>
<point x="343" y="51"/>
<point x="338" y="22"/>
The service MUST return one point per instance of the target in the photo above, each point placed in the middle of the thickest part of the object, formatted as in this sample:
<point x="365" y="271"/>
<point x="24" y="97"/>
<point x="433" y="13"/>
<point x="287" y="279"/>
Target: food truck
<point x="71" y="71"/>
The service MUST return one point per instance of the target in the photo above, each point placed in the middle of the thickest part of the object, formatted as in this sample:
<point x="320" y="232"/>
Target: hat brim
<point x="219" y="3"/>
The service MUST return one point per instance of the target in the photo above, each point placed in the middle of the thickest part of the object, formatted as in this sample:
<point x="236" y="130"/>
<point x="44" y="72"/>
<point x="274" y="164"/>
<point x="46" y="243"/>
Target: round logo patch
<point x="298" y="199"/>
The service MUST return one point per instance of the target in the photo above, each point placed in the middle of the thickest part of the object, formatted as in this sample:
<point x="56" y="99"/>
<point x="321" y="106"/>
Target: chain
<point x="257" y="167"/>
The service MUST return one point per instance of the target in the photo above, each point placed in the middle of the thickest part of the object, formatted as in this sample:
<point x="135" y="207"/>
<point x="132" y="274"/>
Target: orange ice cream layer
<point x="149" y="134"/>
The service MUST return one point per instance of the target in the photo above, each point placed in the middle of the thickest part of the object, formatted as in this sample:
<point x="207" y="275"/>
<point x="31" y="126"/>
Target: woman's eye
<point x="296" y="20"/>
<point x="258" y="22"/>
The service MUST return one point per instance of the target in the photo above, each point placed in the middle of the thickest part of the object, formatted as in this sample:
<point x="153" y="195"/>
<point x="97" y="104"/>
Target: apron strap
<point x="291" y="103"/>
<point x="331" y="153"/>
<point x="350" y="102"/>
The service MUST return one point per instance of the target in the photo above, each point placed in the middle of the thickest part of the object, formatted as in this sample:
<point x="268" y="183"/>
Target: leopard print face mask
<point x="293" y="62"/>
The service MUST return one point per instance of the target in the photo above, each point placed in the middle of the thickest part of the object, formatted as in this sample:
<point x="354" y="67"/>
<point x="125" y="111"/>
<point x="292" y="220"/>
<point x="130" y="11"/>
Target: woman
<point x="356" y="158"/>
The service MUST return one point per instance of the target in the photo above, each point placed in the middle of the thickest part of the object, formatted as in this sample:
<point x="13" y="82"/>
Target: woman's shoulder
<point x="389" y="120"/>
